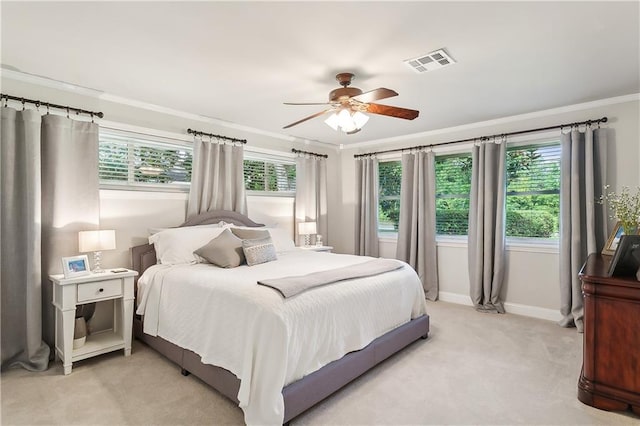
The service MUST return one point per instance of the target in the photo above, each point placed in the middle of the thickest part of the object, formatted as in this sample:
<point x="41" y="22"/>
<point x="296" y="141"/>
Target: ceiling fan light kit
<point x="347" y="106"/>
<point x="349" y="122"/>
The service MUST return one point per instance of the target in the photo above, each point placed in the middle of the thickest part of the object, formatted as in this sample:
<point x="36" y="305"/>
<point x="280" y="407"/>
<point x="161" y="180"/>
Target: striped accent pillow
<point x="259" y="250"/>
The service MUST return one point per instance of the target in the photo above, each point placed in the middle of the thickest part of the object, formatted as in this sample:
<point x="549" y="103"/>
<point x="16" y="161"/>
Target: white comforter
<point x="267" y="341"/>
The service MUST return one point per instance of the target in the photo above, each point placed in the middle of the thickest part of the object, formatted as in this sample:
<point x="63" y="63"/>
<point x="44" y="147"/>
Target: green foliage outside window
<point x="533" y="192"/>
<point x="269" y="176"/>
<point x="453" y="185"/>
<point x="389" y="178"/>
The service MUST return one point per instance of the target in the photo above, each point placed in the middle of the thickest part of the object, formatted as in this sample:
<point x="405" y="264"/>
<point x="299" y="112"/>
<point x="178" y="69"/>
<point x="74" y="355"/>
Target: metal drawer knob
<point x="101" y="290"/>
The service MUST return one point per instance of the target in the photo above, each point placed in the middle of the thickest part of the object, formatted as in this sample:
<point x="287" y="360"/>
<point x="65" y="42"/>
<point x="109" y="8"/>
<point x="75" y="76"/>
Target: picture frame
<point x="626" y="260"/>
<point x="614" y="239"/>
<point x="75" y="266"/>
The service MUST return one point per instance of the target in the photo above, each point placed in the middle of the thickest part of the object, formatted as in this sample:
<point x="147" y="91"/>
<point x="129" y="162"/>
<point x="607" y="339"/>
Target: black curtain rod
<point x="211" y="135"/>
<point x="298" y="151"/>
<point x="50" y="105"/>
<point x="484" y="138"/>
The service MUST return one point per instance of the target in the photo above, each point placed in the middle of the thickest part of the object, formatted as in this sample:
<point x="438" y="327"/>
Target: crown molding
<point x="48" y="82"/>
<point x="503" y="120"/>
<point x="107" y="97"/>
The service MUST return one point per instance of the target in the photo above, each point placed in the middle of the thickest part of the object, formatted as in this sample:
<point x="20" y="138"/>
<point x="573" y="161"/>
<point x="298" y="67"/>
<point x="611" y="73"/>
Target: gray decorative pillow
<point x="250" y="234"/>
<point x="259" y="250"/>
<point x="224" y="251"/>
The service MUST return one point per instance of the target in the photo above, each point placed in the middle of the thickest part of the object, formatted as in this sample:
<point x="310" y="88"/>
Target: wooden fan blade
<point x="307" y="103"/>
<point x="392" y="111"/>
<point x="308" y="118"/>
<point x="375" y="95"/>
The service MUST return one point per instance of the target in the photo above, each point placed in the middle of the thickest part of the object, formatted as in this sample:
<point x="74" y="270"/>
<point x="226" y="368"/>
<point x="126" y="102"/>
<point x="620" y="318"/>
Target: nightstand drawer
<point x="99" y="290"/>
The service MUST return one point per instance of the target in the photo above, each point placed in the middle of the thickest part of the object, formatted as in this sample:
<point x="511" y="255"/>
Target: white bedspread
<point x="267" y="341"/>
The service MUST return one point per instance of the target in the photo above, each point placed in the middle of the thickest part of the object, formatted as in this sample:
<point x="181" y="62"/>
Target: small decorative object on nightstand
<point x="326" y="249"/>
<point x="69" y="293"/>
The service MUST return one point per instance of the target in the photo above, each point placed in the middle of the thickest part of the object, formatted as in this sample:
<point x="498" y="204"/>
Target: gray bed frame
<point x="302" y="394"/>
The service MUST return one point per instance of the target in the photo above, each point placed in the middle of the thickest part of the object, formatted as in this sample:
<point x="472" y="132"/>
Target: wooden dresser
<point x="610" y="378"/>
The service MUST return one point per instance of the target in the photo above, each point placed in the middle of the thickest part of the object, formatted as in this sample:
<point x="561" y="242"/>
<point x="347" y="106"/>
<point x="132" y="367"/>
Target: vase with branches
<point x="625" y="207"/>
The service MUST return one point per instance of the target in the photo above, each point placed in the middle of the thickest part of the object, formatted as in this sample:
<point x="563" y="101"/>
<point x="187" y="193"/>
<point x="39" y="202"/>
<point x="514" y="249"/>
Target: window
<point x="389" y="178"/>
<point x="133" y="161"/>
<point x="269" y="173"/>
<point x="533" y="191"/>
<point x="453" y="185"/>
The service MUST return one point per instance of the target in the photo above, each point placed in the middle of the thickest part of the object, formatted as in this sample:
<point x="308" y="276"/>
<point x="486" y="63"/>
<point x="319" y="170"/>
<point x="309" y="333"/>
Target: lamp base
<point x="307" y="240"/>
<point x="97" y="255"/>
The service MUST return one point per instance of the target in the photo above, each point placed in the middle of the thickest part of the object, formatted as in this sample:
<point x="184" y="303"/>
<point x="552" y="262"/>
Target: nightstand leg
<point x="68" y="323"/>
<point x="127" y="321"/>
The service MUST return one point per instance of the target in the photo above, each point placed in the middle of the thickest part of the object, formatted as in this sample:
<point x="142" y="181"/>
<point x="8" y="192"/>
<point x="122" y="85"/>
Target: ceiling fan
<point x="349" y="103"/>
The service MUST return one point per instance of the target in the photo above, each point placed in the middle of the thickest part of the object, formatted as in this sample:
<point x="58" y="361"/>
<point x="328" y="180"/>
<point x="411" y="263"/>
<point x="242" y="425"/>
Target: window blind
<point x="269" y="173"/>
<point x="533" y="191"/>
<point x="389" y="180"/>
<point x="453" y="185"/>
<point x="133" y="162"/>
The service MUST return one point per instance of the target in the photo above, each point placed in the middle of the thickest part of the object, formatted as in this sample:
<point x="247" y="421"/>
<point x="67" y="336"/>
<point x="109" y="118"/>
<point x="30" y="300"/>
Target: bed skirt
<point x="311" y="389"/>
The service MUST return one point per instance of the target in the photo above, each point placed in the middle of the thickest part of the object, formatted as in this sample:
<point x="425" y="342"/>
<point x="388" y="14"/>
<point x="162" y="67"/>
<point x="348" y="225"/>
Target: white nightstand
<point x="70" y="292"/>
<point x="326" y="249"/>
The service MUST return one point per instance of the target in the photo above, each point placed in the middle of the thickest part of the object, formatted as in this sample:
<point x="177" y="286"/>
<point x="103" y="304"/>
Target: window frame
<point x="269" y="156"/>
<point x="537" y="244"/>
<point x="451" y="238"/>
<point x="387" y="235"/>
<point x="130" y="138"/>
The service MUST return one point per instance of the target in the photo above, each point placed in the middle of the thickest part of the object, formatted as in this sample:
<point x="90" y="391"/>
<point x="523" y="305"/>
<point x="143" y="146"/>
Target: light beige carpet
<point x="474" y="369"/>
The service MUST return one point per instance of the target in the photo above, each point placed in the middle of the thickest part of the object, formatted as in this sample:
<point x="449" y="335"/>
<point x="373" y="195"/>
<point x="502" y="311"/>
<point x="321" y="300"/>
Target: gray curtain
<point x="20" y="233"/>
<point x="311" y="195"/>
<point x="217" y="179"/>
<point x="417" y="227"/>
<point x="49" y="193"/>
<point x="367" y="206"/>
<point x="582" y="219"/>
<point x="487" y="226"/>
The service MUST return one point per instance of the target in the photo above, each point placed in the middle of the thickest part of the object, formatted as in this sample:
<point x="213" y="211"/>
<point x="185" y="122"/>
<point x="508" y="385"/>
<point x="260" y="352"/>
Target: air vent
<point x="431" y="61"/>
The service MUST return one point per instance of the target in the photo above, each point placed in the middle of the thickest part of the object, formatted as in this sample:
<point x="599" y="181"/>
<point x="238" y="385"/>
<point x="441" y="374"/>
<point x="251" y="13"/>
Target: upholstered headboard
<point x="144" y="256"/>
<point x="216" y="216"/>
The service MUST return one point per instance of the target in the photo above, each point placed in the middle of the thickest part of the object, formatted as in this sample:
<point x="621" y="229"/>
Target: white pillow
<point x="220" y="224"/>
<point x="176" y="245"/>
<point x="281" y="238"/>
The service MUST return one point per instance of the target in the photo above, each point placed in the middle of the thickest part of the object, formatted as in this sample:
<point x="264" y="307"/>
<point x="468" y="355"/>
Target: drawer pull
<point x="101" y="290"/>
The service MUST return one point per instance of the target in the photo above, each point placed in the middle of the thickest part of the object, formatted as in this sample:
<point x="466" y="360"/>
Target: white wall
<point x="532" y="275"/>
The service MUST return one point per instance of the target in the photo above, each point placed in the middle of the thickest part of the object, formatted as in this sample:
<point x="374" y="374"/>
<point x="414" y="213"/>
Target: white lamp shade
<point x="332" y="121"/>
<point x="306" y="228"/>
<point x="360" y="119"/>
<point x="346" y="120"/>
<point x="96" y="240"/>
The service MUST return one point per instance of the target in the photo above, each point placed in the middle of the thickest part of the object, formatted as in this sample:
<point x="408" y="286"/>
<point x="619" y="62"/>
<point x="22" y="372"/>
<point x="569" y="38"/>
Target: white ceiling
<point x="239" y="61"/>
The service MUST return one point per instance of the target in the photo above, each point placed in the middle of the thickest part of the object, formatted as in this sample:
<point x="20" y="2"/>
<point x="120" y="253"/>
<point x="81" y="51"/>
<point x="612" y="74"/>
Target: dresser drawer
<point x="99" y="290"/>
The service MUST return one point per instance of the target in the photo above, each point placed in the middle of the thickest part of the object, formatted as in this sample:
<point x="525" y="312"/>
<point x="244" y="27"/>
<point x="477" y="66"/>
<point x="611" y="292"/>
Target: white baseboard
<point x="512" y="308"/>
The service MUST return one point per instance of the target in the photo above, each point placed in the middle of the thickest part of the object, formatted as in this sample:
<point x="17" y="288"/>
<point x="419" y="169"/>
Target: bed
<point x="308" y="374"/>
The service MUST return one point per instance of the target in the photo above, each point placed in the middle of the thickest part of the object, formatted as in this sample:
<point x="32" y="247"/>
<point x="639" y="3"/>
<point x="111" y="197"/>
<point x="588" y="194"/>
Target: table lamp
<point x="96" y="241"/>
<point x="306" y="229"/>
